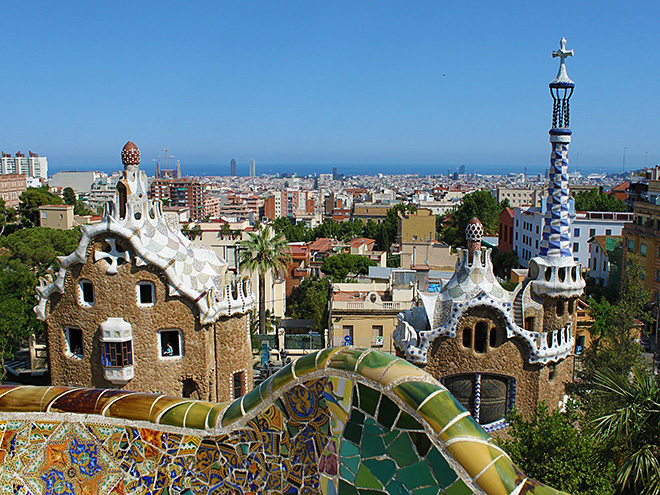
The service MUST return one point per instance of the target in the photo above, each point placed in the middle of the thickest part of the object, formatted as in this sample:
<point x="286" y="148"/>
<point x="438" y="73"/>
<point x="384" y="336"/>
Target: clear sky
<point x="322" y="82"/>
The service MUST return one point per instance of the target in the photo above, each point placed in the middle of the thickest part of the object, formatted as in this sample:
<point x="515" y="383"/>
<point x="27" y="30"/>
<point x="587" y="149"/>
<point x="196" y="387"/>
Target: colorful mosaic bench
<point x="339" y="421"/>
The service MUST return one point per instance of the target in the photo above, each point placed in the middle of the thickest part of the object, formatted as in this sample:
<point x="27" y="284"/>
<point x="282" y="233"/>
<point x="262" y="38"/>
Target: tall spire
<point x="554" y="272"/>
<point x="556" y="240"/>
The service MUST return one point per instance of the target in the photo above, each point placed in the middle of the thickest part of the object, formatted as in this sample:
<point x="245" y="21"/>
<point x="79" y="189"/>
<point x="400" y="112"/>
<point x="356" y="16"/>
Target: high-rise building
<point x="32" y="165"/>
<point x="253" y="170"/>
<point x="232" y="167"/>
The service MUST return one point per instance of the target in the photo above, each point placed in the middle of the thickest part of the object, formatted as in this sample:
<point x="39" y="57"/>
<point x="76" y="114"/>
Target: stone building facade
<point x="138" y="306"/>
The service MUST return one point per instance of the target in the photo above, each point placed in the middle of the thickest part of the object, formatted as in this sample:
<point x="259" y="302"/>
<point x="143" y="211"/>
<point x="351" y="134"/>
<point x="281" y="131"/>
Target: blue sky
<point x="322" y="82"/>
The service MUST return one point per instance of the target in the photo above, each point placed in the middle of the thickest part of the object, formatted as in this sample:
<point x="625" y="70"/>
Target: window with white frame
<point x="146" y="294"/>
<point x="86" y="293"/>
<point x="117" y="350"/>
<point x="74" y="342"/>
<point x="170" y="344"/>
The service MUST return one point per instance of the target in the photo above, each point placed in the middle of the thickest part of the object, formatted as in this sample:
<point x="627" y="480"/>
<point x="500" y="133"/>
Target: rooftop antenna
<point x="577" y="163"/>
<point x="646" y="159"/>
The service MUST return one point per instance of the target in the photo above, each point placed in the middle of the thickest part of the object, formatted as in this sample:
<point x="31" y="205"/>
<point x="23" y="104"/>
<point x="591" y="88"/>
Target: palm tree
<point x="264" y="252"/>
<point x="630" y="433"/>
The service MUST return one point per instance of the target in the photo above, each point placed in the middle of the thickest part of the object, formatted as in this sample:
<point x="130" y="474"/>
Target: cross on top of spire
<point x="562" y="53"/>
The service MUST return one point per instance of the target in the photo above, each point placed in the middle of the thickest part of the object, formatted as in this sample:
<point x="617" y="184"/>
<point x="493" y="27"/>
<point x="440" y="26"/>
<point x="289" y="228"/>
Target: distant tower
<point x="178" y="169"/>
<point x="253" y="171"/>
<point x="556" y="276"/>
<point x="232" y="167"/>
<point x="461" y="170"/>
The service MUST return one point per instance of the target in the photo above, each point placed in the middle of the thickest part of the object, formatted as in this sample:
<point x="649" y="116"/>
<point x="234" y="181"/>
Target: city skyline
<point x="296" y="83"/>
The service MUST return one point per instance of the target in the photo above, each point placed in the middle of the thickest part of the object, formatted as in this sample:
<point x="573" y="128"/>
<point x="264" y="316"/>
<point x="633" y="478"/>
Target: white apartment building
<point x="519" y="197"/>
<point x="528" y="231"/>
<point x="32" y="165"/>
<point x="600" y="248"/>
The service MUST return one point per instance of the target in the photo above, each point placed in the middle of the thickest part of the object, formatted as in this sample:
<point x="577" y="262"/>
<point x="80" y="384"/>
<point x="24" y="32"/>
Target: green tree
<point x="594" y="200"/>
<point x="629" y="433"/>
<point x="30" y="201"/>
<point x="504" y="262"/>
<point x="556" y="448"/>
<point x="614" y="336"/>
<point x="69" y="196"/>
<point x="263" y="252"/>
<point x="310" y="301"/>
<point x="339" y="266"/>
<point x="479" y="204"/>
<point x="38" y="247"/>
<point x="17" y="297"/>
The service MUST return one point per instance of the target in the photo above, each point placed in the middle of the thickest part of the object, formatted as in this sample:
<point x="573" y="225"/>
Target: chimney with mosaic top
<point x="555" y="273"/>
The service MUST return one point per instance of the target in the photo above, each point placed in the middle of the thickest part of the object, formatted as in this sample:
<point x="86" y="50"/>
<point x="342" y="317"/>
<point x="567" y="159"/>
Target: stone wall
<point x="192" y="374"/>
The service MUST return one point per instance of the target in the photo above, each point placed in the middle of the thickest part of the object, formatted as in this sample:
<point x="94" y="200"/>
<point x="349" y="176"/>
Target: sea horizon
<point x="348" y="169"/>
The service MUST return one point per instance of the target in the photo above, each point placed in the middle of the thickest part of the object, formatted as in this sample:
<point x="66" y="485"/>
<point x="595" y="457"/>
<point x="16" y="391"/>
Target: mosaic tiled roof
<point x="192" y="271"/>
<point x="339" y="421"/>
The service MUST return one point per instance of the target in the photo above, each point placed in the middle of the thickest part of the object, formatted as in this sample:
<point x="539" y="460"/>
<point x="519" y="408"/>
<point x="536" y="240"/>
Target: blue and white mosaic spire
<point x="556" y="240"/>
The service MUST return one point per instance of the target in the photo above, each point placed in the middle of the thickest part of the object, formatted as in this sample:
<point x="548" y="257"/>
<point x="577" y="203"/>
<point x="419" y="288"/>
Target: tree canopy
<point x="594" y="200"/>
<point x="38" y="247"/>
<point x="30" y="201"/>
<point x="340" y="266"/>
<point x="557" y="448"/>
<point x="479" y="204"/>
<point x="310" y="301"/>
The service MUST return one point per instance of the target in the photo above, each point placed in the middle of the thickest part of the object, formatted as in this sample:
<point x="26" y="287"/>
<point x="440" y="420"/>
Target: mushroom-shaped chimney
<point x="474" y="232"/>
<point x="130" y="155"/>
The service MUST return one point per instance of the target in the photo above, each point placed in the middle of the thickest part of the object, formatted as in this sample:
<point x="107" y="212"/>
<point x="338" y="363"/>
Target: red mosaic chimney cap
<point x="130" y="155"/>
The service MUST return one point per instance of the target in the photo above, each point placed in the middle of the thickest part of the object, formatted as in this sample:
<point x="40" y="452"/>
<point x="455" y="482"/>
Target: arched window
<point x="560" y="308"/>
<point x="493" y="337"/>
<point x="487" y="397"/>
<point x="571" y="306"/>
<point x="467" y="337"/>
<point x="480" y="337"/>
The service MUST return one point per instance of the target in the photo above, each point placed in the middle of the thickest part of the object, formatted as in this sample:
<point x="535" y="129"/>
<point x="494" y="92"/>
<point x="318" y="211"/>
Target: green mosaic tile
<point x="282" y="377"/>
<point x="324" y="356"/>
<point x="389" y="437"/>
<point x="466" y="426"/>
<point x="196" y="415"/>
<point x="383" y="469"/>
<point x="372" y="428"/>
<point x="305" y="364"/>
<point x="387" y="412"/>
<point x="214" y="414"/>
<point x="346" y="359"/>
<point x="501" y="477"/>
<point x="402" y="451"/>
<point x="414" y="393"/>
<point x="353" y="432"/>
<point x="458" y="488"/>
<point x="440" y="410"/>
<point x="232" y="413"/>
<point x="368" y="399"/>
<point x="395" y="487"/>
<point x="352" y="463"/>
<point x="365" y="491"/>
<point x="472" y="455"/>
<point x="356" y="417"/>
<point x="374" y="363"/>
<point x="251" y="400"/>
<point x="347" y="474"/>
<point x="442" y="471"/>
<point x="372" y="446"/>
<point x="349" y="450"/>
<point x="429" y="490"/>
<point x="175" y="415"/>
<point x="416" y="475"/>
<point x="365" y="479"/>
<point x="264" y="388"/>
<point x="421" y="442"/>
<point x="346" y="488"/>
<point x="407" y="422"/>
